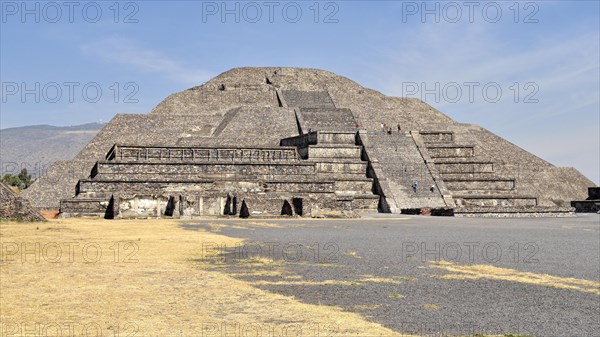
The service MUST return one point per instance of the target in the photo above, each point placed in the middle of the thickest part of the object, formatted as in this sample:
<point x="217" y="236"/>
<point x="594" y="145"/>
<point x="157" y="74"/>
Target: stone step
<point x="405" y="186"/>
<point x="297" y="98"/>
<point x="223" y="176"/>
<point x="76" y="207"/>
<point x="474" y="159"/>
<point x="105" y="188"/>
<point x="326" y="119"/>
<point x="335" y="145"/>
<point x="135" y="186"/>
<point x="364" y="201"/>
<point x="365" y="211"/>
<point x="334" y="160"/>
<point x="451" y="145"/>
<point x="394" y="137"/>
<point x="339" y="175"/>
<point x="354" y="186"/>
<point x="515" y="211"/>
<point x="465" y="167"/>
<point x="507" y="193"/>
<point x="324" y="137"/>
<point x="401" y="163"/>
<point x="479" y="184"/>
<point x="434" y="137"/>
<point x="341" y="167"/>
<point x="486" y="200"/>
<point x="451" y="151"/>
<point x="200" y="169"/>
<point x="94" y="195"/>
<point x="472" y="176"/>
<point x="220" y="177"/>
<point x="334" y="151"/>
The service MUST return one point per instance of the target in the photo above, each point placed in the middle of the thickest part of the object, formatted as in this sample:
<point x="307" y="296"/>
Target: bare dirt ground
<point x="94" y="277"/>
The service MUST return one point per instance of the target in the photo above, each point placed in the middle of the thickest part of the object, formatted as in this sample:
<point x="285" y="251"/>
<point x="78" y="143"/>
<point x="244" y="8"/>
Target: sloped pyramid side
<point x="246" y="107"/>
<point x="13" y="207"/>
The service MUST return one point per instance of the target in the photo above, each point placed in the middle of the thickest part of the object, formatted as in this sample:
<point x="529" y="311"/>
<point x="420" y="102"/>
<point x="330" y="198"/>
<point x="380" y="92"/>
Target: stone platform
<point x="142" y="181"/>
<point x="591" y="204"/>
<point x="300" y="141"/>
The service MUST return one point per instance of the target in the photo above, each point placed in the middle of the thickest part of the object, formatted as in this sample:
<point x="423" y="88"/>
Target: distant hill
<point x="36" y="147"/>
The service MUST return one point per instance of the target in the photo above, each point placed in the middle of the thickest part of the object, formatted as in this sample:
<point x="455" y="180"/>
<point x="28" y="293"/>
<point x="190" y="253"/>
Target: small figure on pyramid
<point x="415" y="185"/>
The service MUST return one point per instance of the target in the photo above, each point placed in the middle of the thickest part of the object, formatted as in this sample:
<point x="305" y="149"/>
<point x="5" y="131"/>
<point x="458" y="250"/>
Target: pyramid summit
<point x="295" y="141"/>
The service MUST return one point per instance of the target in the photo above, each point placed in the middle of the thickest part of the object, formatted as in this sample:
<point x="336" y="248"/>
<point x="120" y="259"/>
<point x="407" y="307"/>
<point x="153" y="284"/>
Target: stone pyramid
<point x="304" y="142"/>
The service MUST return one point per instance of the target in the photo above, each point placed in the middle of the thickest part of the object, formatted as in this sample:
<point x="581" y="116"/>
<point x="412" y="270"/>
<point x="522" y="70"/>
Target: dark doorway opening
<point x="244" y="213"/>
<point x="297" y="202"/>
<point x="170" y="206"/>
<point x="230" y="206"/>
<point x="227" y="208"/>
<point x="110" y="209"/>
<point x="286" y="209"/>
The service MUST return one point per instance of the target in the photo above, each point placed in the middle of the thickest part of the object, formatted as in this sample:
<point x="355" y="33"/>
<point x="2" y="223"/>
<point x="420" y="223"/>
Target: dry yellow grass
<point x="308" y="283"/>
<point x="474" y="272"/>
<point x="158" y="285"/>
<point x="353" y="254"/>
<point x="376" y="279"/>
<point x="396" y="296"/>
<point x="264" y="224"/>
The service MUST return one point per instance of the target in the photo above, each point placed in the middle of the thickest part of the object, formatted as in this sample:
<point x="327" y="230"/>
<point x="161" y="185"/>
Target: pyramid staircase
<point x="324" y="169"/>
<point x="401" y="164"/>
<point x="473" y="180"/>
<point x="338" y="158"/>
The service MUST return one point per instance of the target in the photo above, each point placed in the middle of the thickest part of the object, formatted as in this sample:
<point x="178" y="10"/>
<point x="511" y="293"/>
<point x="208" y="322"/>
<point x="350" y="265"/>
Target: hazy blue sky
<point x="542" y="55"/>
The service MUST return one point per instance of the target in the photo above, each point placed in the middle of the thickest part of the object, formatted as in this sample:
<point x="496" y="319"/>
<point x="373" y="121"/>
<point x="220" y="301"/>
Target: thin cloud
<point x="126" y="52"/>
<point x="564" y="65"/>
<point x="564" y="68"/>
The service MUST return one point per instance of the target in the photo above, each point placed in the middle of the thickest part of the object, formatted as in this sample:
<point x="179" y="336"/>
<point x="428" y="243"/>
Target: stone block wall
<point x="319" y="119"/>
<point x="180" y="181"/>
<point x="481" y="184"/>
<point x="308" y="99"/>
<point x="259" y="127"/>
<point x="451" y="151"/>
<point x="59" y="182"/>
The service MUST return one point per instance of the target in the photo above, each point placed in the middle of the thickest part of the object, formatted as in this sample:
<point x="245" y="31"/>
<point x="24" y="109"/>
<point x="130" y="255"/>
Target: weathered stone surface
<point x="589" y="205"/>
<point x="150" y="181"/>
<point x="268" y="110"/>
<point x="13" y="207"/>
